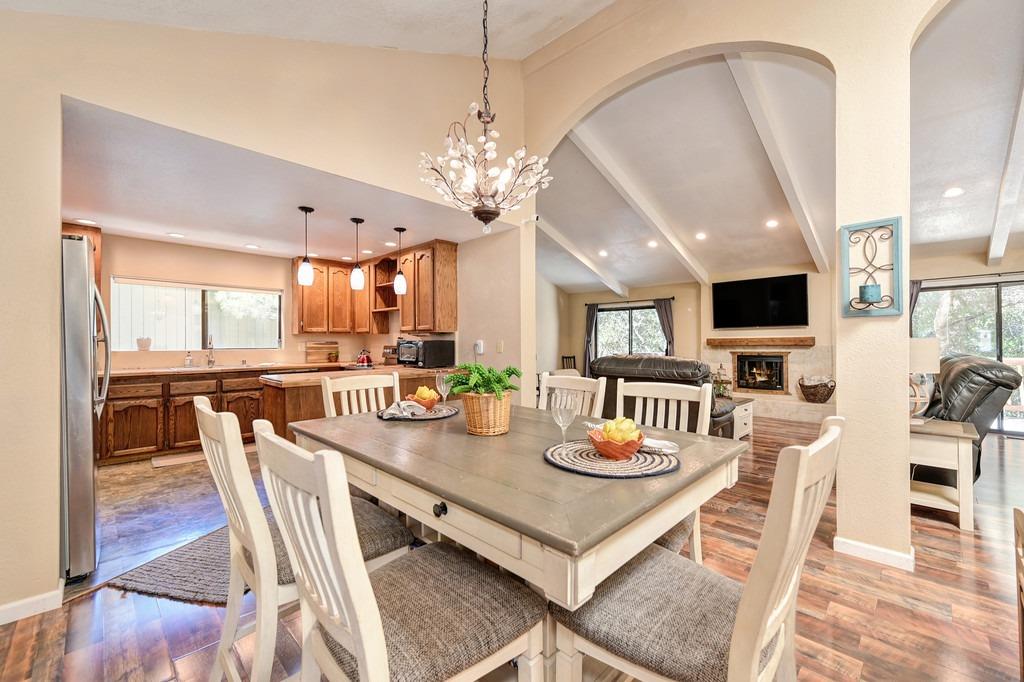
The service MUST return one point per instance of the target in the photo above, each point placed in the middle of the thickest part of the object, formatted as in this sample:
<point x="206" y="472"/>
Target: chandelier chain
<point x="487" y="68"/>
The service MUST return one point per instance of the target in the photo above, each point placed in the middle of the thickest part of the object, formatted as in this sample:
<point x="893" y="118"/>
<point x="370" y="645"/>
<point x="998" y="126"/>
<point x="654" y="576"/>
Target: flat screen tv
<point x="765" y="302"/>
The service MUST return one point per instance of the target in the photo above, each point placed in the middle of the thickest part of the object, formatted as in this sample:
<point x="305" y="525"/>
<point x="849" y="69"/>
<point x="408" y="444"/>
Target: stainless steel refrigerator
<point x="83" y="395"/>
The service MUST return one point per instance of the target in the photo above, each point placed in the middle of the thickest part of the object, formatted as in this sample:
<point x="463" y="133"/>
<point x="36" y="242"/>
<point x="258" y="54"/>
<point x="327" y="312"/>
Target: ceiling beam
<point x="562" y="240"/>
<point x="1008" y="204"/>
<point x="616" y="175"/>
<point x="752" y="92"/>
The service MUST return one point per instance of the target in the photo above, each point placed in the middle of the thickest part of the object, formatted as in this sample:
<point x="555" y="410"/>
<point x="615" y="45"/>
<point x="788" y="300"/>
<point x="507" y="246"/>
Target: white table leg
<point x="965" y="483"/>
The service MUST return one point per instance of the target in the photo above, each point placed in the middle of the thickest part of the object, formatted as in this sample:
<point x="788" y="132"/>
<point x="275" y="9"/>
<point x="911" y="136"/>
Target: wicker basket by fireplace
<point x="817" y="393"/>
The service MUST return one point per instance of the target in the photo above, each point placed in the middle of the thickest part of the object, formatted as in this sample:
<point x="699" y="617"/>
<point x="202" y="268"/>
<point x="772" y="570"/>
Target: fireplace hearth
<point x="761" y="372"/>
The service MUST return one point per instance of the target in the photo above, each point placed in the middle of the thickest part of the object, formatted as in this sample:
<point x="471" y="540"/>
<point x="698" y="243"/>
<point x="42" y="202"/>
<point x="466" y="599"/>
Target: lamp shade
<point x="358" y="279"/>
<point x="401" y="285"/>
<point x="305" y="274"/>
<point x="924" y="355"/>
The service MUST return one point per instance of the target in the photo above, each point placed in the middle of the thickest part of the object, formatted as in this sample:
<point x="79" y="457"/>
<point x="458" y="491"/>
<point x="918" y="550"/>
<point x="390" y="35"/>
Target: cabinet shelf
<point x="385" y="285"/>
<point x="385" y="310"/>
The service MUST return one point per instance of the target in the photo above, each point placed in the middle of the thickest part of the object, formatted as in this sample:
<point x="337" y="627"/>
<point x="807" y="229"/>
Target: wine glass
<point x="564" y="405"/>
<point x="443" y="387"/>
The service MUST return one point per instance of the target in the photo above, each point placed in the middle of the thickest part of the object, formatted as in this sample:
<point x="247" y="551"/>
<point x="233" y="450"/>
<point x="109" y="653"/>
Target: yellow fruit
<point x="634" y="435"/>
<point x="426" y="393"/>
<point x="626" y="424"/>
<point x="608" y="427"/>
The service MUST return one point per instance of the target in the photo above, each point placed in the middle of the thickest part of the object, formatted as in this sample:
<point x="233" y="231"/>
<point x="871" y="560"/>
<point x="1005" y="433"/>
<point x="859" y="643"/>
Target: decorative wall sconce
<point x="872" y="268"/>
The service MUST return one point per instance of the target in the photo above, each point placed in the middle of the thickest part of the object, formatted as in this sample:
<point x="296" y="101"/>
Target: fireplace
<point x="760" y="372"/>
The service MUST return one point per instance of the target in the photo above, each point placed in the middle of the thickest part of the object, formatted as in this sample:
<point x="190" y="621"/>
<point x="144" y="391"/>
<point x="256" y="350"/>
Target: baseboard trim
<point x="30" y="606"/>
<point x="881" y="555"/>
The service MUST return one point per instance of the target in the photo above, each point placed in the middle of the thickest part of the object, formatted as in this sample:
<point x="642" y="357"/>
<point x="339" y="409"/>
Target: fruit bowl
<point x="610" y="449"/>
<point x="427" y="405"/>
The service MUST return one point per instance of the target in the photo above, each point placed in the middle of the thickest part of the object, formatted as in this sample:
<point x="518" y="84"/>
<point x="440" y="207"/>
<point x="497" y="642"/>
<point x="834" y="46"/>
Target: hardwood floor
<point x="954" y="618"/>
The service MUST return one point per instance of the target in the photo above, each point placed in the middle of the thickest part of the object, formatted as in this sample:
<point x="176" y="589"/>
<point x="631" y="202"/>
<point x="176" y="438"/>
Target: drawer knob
<point x="440" y="509"/>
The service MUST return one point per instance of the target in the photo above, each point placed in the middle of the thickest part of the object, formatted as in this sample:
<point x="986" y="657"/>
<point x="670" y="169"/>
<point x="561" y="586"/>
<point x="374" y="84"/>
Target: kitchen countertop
<point x="313" y="378"/>
<point x="273" y="367"/>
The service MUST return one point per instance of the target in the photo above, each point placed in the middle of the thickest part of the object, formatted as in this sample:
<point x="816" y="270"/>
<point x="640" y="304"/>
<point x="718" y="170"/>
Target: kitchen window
<point x="634" y="329"/>
<point x="184" y="317"/>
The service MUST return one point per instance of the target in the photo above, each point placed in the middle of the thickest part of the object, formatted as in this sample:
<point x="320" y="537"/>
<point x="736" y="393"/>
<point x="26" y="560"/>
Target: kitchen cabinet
<point x="361" y="305"/>
<point x="339" y="305"/>
<point x="247" y="406"/>
<point x="182" y="427"/>
<point x="407" y="303"/>
<point x="424" y="263"/>
<point x="134" y="426"/>
<point x="309" y="304"/>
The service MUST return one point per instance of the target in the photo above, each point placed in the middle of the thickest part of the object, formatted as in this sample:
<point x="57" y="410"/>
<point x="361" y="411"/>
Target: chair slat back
<point x="557" y="390"/>
<point x="804" y="476"/>
<point x="358" y="394"/>
<point x="309" y="495"/>
<point x="1018" y="560"/>
<point x="665" y="406"/>
<point x="221" y="439"/>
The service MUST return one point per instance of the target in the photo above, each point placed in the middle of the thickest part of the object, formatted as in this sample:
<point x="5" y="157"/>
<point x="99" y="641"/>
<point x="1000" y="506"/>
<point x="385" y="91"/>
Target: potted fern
<point x="486" y="396"/>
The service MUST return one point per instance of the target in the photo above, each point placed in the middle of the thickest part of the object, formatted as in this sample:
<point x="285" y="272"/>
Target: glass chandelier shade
<point x="466" y="175"/>
<point x="305" y="273"/>
<point x="358" y="279"/>
<point x="401" y="285"/>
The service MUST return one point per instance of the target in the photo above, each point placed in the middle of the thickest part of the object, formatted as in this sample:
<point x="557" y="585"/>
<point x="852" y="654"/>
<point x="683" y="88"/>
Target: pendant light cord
<point x="487" y="68"/>
<point x="305" y="217"/>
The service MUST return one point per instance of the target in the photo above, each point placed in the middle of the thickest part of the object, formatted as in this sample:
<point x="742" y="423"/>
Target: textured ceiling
<point x="442" y="26"/>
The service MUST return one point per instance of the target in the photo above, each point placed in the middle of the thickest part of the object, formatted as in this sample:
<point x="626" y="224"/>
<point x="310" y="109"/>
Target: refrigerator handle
<point x="101" y="394"/>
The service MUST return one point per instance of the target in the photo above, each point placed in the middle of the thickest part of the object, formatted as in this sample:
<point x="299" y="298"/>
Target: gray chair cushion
<point x="664" y="613"/>
<point x="442" y="612"/>
<point x="379" y="533"/>
<point x="677" y="535"/>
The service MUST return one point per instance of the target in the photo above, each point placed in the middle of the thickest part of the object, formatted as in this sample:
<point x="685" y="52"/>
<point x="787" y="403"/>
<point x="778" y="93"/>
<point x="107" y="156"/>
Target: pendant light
<point x="305" y="275"/>
<point x="401" y="286"/>
<point x="358" y="279"/>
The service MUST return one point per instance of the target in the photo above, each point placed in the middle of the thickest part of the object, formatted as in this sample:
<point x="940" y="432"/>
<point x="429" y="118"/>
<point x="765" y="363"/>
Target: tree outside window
<point x="623" y="331"/>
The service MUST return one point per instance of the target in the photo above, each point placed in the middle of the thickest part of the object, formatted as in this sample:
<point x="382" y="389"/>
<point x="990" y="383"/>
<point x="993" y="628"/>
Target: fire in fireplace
<point x="760" y="372"/>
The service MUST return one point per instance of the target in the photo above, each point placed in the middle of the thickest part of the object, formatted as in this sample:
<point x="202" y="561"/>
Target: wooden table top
<point x="941" y="427"/>
<point x="505" y="478"/>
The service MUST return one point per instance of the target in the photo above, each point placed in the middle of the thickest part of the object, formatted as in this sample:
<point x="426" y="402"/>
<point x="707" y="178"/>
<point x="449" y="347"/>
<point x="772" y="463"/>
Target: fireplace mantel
<point x="760" y="342"/>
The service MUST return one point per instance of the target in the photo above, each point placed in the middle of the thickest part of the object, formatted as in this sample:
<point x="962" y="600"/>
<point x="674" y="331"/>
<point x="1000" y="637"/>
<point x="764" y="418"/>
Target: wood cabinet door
<point x="424" y="290"/>
<point x="339" y="310"/>
<point x="182" y="428"/>
<point x="247" y="406"/>
<point x="407" y="303"/>
<point x="314" y="302"/>
<point x="134" y="427"/>
<point x="361" y="304"/>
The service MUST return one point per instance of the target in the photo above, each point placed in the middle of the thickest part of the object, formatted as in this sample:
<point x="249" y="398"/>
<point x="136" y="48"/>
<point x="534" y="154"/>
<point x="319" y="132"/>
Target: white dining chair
<point x="257" y="554"/>
<point x="359" y="394"/>
<point x="667" y="406"/>
<point x="435" y="614"/>
<point x="1018" y="561"/>
<point x="570" y="372"/>
<point x="588" y="392"/>
<point x="661" y="617"/>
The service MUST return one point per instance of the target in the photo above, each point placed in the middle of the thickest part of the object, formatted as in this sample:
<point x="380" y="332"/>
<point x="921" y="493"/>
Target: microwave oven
<point x="426" y="352"/>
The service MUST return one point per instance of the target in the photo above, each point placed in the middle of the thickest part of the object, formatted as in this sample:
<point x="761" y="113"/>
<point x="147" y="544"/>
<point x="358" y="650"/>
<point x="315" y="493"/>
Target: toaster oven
<point x="426" y="352"/>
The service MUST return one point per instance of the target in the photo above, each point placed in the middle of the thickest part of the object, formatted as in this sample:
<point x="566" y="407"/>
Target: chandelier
<point x="465" y="175"/>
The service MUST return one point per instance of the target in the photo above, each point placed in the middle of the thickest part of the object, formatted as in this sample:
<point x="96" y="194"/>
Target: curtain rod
<point x="636" y="300"/>
<point x="982" y="276"/>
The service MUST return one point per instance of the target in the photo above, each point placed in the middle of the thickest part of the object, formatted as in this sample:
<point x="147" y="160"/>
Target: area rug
<point x="198" y="572"/>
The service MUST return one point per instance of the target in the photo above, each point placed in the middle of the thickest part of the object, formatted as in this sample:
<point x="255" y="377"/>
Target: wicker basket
<point x="485" y="414"/>
<point x="817" y="393"/>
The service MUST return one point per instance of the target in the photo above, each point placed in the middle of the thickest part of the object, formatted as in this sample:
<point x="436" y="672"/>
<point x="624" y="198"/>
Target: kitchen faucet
<point x="210" y="359"/>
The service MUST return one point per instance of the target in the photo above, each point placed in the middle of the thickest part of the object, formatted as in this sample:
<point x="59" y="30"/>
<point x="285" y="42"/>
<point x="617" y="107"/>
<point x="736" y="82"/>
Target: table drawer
<point x="361" y="471"/>
<point x="458" y="517"/>
<point x="934" y="451"/>
<point x="193" y="387"/>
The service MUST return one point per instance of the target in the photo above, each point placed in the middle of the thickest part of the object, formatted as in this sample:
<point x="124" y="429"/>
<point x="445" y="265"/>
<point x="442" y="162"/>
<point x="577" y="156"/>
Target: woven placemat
<point x="580" y="457"/>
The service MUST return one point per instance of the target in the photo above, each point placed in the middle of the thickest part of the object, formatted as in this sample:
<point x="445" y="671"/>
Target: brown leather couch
<point x="666" y="369"/>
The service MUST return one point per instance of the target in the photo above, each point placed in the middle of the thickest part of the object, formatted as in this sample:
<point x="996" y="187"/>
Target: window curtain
<point x="663" y="306"/>
<point x="915" y="292"/>
<point x="588" y="342"/>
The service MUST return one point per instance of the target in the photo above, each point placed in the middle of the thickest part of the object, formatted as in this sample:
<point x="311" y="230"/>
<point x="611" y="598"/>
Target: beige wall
<point x="341" y="109"/>
<point x="685" y="316"/>
<point x="129" y="257"/>
<point x="552" y="308"/>
<point x="960" y="259"/>
<point x="868" y="45"/>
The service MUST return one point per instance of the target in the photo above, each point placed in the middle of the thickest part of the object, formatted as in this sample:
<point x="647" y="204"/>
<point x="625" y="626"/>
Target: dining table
<point x="560" y="531"/>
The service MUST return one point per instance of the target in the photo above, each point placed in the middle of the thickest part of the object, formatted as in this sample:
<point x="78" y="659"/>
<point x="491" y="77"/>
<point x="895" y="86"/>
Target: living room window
<point x="629" y="329"/>
<point x="183" y="317"/>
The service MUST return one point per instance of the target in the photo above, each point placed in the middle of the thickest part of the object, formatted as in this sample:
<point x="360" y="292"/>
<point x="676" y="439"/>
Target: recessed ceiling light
<point x="86" y="222"/>
<point x="772" y="223"/>
<point x="953" y="192"/>
<point x="367" y="251"/>
<point x="390" y="244"/>
<point x="346" y="258"/>
<point x="313" y="255"/>
<point x="253" y="247"/>
<point x="602" y="253"/>
<point x="700" y="236"/>
<point x="176" y="235"/>
<point x="652" y="243"/>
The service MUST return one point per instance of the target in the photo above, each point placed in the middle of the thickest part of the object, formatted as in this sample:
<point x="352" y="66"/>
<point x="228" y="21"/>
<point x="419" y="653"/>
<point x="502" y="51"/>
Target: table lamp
<point x="924" y="362"/>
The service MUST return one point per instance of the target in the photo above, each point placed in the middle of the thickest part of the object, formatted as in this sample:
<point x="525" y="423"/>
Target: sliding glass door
<point x="985" y="320"/>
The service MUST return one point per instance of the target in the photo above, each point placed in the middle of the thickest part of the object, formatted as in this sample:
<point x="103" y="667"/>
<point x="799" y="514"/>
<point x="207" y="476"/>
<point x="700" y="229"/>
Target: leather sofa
<point x="971" y="389"/>
<point x="671" y="370"/>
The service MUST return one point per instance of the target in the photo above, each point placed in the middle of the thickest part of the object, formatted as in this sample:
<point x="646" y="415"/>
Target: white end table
<point x="945" y="445"/>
